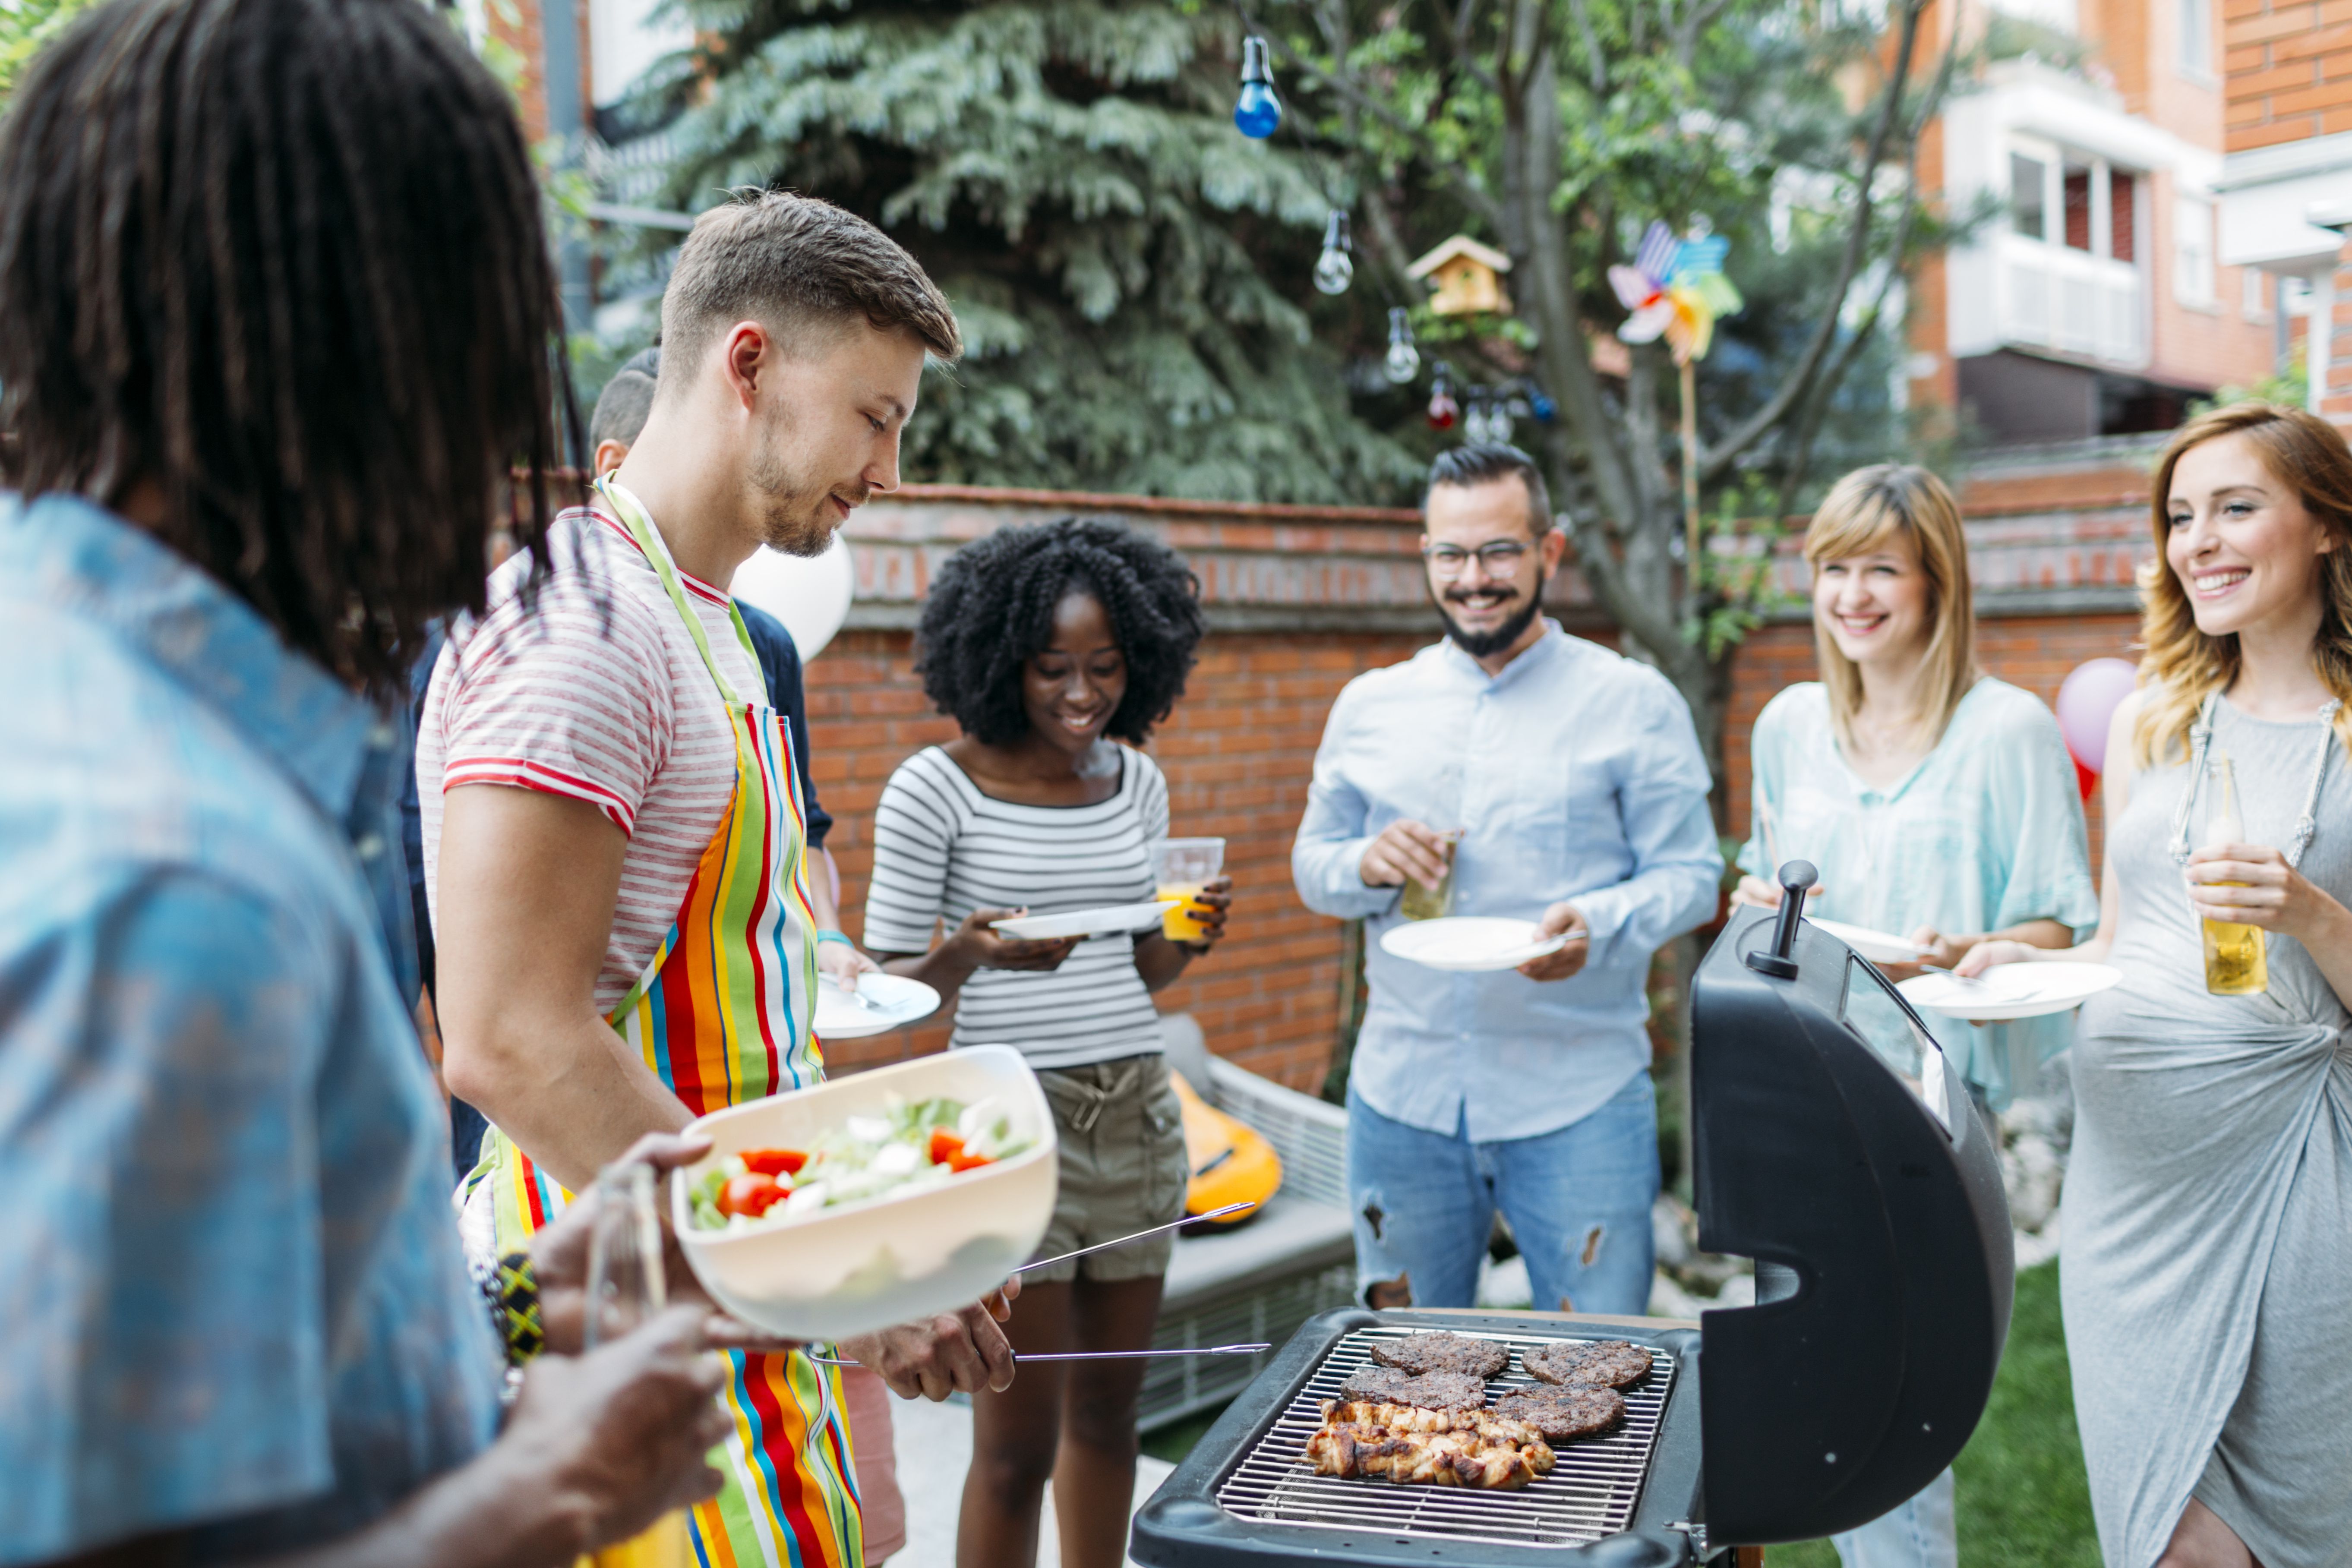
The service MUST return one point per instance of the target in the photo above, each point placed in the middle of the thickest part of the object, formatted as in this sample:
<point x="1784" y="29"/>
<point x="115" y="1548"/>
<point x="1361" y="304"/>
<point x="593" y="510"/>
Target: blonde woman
<point x="2207" y="1262"/>
<point x="1937" y="802"/>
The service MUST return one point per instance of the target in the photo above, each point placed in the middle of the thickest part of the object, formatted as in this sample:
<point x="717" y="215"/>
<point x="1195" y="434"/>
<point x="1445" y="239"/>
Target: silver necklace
<point x="2201" y="740"/>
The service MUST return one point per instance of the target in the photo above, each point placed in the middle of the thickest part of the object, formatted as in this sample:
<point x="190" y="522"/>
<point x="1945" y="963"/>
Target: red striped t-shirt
<point x="596" y="690"/>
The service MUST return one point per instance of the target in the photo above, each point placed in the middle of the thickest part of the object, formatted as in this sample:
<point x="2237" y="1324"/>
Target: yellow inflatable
<point x="1231" y="1162"/>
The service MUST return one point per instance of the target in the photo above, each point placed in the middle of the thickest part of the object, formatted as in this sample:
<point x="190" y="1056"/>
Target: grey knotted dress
<point x="2206" y="1262"/>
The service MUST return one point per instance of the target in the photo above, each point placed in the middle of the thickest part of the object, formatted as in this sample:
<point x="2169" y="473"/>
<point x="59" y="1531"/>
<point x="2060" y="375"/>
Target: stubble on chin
<point x="797" y="529"/>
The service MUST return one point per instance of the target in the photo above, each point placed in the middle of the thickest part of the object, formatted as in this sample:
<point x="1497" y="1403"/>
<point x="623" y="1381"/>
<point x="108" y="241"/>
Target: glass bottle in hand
<point x="2235" y="962"/>
<point x="625" y="1286"/>
<point x="1422" y="902"/>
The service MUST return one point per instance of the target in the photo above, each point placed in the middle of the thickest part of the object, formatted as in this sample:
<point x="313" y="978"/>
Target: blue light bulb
<point x="1258" y="111"/>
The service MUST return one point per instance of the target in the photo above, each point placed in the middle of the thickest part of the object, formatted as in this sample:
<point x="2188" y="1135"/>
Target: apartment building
<point x="2094" y="294"/>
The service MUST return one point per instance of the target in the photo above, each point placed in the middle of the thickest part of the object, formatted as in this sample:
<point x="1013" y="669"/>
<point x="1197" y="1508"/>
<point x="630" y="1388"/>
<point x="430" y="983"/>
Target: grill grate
<point x="1590" y="1493"/>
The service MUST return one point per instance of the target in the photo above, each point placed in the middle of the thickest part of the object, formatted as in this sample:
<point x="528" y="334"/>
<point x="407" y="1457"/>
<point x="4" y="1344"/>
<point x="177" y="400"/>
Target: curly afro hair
<point x="992" y="605"/>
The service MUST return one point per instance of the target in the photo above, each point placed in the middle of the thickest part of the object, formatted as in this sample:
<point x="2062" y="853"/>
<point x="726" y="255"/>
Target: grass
<point x="2023" y="1500"/>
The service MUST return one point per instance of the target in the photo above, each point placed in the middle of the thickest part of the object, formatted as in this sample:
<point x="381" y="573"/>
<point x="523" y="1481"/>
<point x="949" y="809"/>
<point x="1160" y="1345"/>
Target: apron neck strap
<point x="633" y="516"/>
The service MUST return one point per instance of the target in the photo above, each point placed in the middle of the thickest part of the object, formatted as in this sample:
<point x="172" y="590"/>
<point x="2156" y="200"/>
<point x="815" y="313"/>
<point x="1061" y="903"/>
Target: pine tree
<point x="1131" y="274"/>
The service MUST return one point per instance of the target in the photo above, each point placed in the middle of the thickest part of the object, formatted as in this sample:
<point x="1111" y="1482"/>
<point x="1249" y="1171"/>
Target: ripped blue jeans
<point x="1578" y="1201"/>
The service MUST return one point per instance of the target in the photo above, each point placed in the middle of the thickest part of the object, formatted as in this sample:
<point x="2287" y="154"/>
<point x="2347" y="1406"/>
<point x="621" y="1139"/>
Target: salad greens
<point x="908" y="1146"/>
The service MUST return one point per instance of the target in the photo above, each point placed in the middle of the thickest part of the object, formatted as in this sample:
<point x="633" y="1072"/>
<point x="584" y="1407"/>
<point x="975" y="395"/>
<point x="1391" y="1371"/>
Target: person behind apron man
<point x="238" y="1321"/>
<point x="613" y="824"/>
<point x="2206" y="1257"/>
<point x="1048" y="646"/>
<point x="1936" y="803"/>
<point x="1575" y="779"/>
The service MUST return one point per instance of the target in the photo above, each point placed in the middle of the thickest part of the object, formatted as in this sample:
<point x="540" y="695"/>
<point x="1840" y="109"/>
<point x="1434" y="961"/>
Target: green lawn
<point x="2023" y="1502"/>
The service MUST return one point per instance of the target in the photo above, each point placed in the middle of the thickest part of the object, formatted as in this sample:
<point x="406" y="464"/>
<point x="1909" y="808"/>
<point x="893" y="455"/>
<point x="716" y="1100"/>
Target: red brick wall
<point x="2036" y="652"/>
<point x="1238" y="754"/>
<point x="2288" y="66"/>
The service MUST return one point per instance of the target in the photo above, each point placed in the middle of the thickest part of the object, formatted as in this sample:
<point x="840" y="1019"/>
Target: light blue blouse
<point x="1986" y="832"/>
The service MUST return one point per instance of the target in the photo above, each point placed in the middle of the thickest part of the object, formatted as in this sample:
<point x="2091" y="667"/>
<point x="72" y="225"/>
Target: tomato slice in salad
<point x="959" y="1160"/>
<point x="773" y="1162"/>
<point x="753" y="1193"/>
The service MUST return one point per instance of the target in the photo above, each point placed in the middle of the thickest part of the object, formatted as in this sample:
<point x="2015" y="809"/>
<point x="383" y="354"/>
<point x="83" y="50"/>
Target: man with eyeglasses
<point x="1557" y="782"/>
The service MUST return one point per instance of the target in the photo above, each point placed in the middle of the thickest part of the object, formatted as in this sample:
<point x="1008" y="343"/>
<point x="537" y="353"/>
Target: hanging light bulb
<point x="1540" y="404"/>
<point x="1498" y="424"/>
<point x="1443" y="410"/>
<point x="1404" y="359"/>
<point x="1256" y="111"/>
<point x="1335" y="272"/>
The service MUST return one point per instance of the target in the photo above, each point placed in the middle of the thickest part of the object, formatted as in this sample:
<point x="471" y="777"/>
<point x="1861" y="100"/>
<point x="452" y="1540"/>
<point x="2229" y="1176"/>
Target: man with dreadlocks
<point x="614" y="837"/>
<point x="262" y="413"/>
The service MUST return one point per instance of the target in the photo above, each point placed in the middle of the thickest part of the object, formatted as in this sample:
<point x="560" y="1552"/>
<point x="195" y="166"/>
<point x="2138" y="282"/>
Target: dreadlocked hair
<point x="991" y="607"/>
<point x="278" y="266"/>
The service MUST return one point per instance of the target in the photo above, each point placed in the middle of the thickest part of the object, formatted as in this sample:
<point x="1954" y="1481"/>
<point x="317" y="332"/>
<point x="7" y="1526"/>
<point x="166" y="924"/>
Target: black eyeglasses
<point x="1500" y="560"/>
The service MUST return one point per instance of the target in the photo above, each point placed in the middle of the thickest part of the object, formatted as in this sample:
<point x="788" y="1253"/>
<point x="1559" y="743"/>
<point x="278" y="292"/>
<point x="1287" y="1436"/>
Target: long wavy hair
<point x="2181" y="666"/>
<point x="1861" y="511"/>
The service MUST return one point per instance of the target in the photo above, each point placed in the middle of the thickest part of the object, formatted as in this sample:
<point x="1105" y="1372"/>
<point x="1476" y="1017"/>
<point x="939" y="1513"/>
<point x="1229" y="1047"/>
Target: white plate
<point x="1108" y="921"/>
<point x="898" y="1002"/>
<point x="2012" y="990"/>
<point x="1875" y="945"/>
<point x="1468" y="944"/>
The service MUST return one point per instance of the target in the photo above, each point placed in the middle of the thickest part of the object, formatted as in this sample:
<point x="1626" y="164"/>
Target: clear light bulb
<point x="1334" y="271"/>
<point x="1498" y="426"/>
<point x="1258" y="111"/>
<point x="1404" y="362"/>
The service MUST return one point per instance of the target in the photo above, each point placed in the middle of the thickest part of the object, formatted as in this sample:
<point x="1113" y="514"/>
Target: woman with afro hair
<point x="1049" y="646"/>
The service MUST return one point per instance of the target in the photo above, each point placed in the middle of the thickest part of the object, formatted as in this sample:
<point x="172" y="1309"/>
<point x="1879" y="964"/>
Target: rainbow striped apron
<point x="722" y="1016"/>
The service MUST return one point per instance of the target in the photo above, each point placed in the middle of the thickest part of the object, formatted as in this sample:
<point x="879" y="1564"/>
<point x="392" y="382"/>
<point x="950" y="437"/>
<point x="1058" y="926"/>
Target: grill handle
<point x="1797" y="878"/>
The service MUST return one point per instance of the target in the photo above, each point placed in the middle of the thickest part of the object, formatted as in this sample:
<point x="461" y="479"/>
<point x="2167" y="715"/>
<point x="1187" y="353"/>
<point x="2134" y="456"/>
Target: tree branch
<point x="1462" y="183"/>
<point x="1714" y="460"/>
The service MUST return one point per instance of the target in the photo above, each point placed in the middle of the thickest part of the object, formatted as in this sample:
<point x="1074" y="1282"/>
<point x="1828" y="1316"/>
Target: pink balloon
<point x="2087" y="700"/>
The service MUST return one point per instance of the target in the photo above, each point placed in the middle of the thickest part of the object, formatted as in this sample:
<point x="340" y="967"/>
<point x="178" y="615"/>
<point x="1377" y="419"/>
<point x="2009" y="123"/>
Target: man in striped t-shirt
<point x="599" y="767"/>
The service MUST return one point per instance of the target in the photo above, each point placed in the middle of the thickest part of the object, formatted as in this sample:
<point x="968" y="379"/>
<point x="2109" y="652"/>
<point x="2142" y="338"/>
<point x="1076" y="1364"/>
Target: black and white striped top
<point x="942" y="850"/>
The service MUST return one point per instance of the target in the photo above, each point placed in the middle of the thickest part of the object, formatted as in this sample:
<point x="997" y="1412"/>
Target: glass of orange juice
<point x="625" y="1286"/>
<point x="1181" y="868"/>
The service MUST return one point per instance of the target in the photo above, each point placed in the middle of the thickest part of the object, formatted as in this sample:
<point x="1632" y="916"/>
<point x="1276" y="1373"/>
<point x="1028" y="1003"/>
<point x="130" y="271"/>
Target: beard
<point x="796" y="513"/>
<point x="1480" y="645"/>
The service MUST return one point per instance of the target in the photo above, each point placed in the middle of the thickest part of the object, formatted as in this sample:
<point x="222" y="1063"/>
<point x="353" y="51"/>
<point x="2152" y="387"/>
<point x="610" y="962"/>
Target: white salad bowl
<point x="894" y="1258"/>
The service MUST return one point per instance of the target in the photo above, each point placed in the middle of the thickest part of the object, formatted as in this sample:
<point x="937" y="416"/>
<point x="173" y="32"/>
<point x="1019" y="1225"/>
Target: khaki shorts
<point x="1122" y="1170"/>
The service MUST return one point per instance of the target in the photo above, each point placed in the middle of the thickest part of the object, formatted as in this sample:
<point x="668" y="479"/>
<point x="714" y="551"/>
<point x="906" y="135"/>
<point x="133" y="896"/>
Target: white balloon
<point x="809" y="596"/>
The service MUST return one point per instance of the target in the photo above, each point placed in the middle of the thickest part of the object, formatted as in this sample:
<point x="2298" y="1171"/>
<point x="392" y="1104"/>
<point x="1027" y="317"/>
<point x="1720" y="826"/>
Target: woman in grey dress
<point x="2206" y="1254"/>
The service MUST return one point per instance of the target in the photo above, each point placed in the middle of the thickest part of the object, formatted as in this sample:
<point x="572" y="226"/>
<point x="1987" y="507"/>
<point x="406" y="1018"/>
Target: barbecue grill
<point x="1832" y="1143"/>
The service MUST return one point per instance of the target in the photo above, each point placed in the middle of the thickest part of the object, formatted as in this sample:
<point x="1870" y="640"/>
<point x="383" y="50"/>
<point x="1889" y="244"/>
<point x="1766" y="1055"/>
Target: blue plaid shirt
<point x="230" y="1280"/>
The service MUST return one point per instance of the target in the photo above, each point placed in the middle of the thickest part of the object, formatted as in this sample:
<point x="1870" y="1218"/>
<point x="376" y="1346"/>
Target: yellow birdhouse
<point x="1467" y="276"/>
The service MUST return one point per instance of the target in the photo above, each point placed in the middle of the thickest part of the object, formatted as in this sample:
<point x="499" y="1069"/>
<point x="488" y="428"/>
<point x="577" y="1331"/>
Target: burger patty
<point x="1433" y="1391"/>
<point x="1561" y="1414"/>
<point x="1441" y="1352"/>
<point x="1610" y="1363"/>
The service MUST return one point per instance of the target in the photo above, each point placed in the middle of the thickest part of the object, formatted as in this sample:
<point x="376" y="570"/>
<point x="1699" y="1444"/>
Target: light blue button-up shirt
<point x="1575" y="774"/>
<point x="230" y="1282"/>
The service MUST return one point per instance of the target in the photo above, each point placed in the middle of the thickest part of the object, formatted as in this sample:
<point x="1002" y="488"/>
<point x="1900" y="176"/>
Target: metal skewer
<point x="1098" y="1355"/>
<point x="1139" y="1236"/>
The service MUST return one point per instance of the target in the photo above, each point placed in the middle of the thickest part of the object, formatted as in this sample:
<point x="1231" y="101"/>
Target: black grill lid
<point x="1832" y="1143"/>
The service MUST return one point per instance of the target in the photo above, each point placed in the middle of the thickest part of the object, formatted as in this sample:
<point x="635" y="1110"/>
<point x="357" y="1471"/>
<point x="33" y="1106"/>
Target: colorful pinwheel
<point x="1676" y="286"/>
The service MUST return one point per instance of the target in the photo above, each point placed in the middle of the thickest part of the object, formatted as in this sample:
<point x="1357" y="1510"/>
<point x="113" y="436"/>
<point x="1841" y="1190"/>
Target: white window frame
<point x="2193" y="282"/>
<point x="2253" y="294"/>
<point x="2194" y="18"/>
